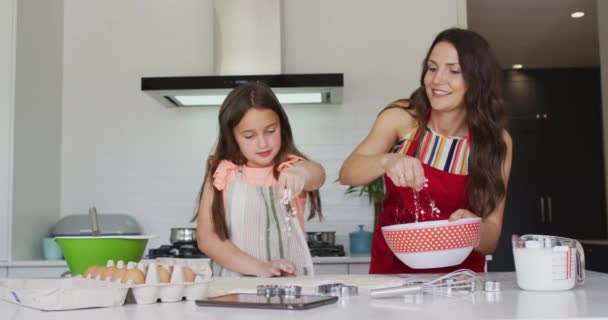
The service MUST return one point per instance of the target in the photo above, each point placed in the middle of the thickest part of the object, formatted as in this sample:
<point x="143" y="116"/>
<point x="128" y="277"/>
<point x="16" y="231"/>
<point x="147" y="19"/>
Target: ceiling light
<point x="210" y="100"/>
<point x="517" y="66"/>
<point x="218" y="99"/>
<point x="577" y="14"/>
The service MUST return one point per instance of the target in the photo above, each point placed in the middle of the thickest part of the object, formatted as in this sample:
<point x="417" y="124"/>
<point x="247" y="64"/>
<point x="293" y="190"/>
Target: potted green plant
<point x="375" y="193"/>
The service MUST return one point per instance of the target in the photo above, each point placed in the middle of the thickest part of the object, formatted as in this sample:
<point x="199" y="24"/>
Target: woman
<point x="448" y="142"/>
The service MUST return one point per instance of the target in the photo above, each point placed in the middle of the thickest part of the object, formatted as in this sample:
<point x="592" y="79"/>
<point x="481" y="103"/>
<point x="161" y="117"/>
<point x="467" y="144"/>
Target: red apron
<point x="449" y="192"/>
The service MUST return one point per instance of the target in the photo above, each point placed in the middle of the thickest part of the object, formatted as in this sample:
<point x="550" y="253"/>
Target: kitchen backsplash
<point x="122" y="151"/>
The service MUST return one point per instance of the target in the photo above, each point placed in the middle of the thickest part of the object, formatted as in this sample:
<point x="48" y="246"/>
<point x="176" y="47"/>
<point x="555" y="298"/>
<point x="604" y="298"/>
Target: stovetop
<point x="324" y="249"/>
<point x="176" y="250"/>
<point x="190" y="250"/>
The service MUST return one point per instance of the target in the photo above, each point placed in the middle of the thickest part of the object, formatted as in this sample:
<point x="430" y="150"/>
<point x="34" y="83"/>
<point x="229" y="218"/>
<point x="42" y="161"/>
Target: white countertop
<point x="34" y="263"/>
<point x="62" y="263"/>
<point x="583" y="302"/>
<point x="346" y="259"/>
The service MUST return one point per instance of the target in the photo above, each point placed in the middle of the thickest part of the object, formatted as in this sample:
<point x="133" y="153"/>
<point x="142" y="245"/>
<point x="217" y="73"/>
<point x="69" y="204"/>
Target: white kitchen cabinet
<point x="34" y="269"/>
<point x="7" y="55"/>
<point x="341" y="265"/>
<point x="358" y="268"/>
<point x="331" y="268"/>
<point x="36" y="272"/>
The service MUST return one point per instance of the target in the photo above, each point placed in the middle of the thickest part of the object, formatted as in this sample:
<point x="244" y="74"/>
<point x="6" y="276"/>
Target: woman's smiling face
<point x="443" y="81"/>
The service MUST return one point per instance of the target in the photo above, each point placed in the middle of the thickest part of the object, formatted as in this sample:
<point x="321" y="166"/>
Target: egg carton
<point x="167" y="292"/>
<point x="92" y="292"/>
<point x="159" y="288"/>
<point x="161" y="280"/>
<point x="165" y="270"/>
<point x="199" y="266"/>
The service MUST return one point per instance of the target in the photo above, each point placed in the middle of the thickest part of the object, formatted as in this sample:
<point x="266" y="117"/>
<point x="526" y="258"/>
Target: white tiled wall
<point x="124" y="152"/>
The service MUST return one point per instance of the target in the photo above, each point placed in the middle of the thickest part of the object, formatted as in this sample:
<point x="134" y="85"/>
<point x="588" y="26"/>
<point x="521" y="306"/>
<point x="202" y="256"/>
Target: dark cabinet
<point x="557" y="176"/>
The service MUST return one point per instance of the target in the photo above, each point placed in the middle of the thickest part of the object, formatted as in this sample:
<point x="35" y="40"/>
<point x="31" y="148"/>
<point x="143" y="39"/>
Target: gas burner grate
<point x="181" y="250"/>
<point x="322" y="249"/>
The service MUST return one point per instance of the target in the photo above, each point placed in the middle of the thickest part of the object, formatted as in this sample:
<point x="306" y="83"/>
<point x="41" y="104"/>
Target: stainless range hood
<point x="247" y="42"/>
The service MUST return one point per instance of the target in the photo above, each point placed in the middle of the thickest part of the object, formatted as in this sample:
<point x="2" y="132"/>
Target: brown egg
<point x="88" y="273"/>
<point x="163" y="275"/>
<point x="108" y="273"/>
<point x="134" y="275"/>
<point x="98" y="272"/>
<point x="118" y="275"/>
<point x="142" y="267"/>
<point x="188" y="274"/>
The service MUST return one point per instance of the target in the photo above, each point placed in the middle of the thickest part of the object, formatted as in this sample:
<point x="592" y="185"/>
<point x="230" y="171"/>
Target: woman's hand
<point x="276" y="268"/>
<point x="292" y="181"/>
<point x="405" y="171"/>
<point x="461" y="214"/>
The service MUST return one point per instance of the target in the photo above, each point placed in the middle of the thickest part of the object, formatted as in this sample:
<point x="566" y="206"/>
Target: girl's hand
<point x="405" y="171"/>
<point x="292" y="181"/>
<point x="461" y="214"/>
<point x="276" y="268"/>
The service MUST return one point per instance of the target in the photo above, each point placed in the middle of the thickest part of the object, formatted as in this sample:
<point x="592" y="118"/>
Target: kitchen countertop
<point x="346" y="259"/>
<point x="583" y="302"/>
<point x="34" y="263"/>
<point x="62" y="263"/>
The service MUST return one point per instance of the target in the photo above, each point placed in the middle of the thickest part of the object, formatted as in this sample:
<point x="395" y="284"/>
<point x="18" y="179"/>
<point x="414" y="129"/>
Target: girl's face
<point x="258" y="135"/>
<point x="443" y="80"/>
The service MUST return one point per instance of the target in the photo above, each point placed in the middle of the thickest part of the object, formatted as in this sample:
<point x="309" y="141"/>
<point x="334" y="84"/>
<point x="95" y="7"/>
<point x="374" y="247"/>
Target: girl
<point x="449" y="140"/>
<point x="256" y="181"/>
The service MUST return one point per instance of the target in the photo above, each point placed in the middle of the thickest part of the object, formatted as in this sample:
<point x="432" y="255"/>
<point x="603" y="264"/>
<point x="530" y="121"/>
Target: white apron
<point x="257" y="223"/>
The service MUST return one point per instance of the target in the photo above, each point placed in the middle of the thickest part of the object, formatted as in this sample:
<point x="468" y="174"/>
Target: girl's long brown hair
<point x="242" y="98"/>
<point x="485" y="115"/>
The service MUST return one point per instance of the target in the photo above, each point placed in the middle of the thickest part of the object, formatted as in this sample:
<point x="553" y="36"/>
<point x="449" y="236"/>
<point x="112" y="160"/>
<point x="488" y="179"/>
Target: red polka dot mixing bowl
<point x="433" y="244"/>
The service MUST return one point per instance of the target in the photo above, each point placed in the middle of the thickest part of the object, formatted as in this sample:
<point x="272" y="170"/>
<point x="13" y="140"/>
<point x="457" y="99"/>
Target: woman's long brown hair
<point x="242" y="98"/>
<point x="485" y="115"/>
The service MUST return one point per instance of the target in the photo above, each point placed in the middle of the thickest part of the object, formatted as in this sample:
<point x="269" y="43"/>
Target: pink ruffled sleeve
<point x="300" y="201"/>
<point x="225" y="172"/>
<point x="291" y="159"/>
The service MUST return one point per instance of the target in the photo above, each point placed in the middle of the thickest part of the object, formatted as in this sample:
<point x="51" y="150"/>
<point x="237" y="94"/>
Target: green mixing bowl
<point x="83" y="252"/>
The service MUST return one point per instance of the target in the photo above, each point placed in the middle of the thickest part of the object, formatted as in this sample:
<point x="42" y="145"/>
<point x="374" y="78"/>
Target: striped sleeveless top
<point x="448" y="154"/>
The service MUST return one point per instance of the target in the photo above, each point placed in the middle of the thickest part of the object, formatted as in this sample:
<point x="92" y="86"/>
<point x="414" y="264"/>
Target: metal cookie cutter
<point x="491" y="286"/>
<point x="337" y="290"/>
<point x="492" y="291"/>
<point x="279" y="291"/>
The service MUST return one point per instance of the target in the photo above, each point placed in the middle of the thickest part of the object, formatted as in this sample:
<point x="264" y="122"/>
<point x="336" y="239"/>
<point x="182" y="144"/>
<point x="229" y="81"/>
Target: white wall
<point x="37" y="126"/>
<point x="602" y="26"/>
<point x="124" y="152"/>
<point x="7" y="55"/>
